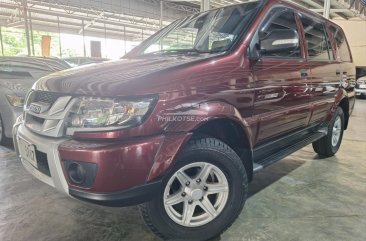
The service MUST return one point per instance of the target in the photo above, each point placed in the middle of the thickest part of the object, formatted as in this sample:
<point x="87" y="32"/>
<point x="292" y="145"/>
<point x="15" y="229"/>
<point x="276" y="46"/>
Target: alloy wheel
<point x="196" y="194"/>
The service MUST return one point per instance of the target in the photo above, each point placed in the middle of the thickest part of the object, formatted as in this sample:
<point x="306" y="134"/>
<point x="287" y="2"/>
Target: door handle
<point x="338" y="72"/>
<point x="304" y="73"/>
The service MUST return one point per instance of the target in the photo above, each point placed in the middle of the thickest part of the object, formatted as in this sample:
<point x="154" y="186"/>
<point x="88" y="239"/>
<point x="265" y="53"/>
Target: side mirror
<point x="279" y="40"/>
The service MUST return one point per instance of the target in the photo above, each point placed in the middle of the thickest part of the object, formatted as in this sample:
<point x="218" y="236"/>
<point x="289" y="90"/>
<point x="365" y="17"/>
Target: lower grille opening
<point x="42" y="163"/>
<point x="37" y="119"/>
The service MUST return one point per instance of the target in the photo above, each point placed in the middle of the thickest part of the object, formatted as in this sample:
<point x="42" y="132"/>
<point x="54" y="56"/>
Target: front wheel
<point x="329" y="144"/>
<point x="201" y="196"/>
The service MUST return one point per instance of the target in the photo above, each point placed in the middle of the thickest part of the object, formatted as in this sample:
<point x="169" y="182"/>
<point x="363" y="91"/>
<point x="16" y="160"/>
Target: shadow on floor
<point x="272" y="174"/>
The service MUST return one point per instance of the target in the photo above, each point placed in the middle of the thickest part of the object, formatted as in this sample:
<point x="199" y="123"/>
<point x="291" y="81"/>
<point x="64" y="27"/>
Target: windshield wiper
<point x="177" y="51"/>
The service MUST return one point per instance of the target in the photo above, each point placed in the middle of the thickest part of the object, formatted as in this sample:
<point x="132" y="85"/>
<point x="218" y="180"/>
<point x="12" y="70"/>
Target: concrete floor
<point x="299" y="198"/>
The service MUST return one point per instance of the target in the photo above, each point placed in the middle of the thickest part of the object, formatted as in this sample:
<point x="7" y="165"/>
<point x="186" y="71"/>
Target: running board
<point x="306" y="140"/>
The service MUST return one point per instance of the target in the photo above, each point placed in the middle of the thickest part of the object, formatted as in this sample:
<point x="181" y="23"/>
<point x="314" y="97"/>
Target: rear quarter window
<point x="341" y="43"/>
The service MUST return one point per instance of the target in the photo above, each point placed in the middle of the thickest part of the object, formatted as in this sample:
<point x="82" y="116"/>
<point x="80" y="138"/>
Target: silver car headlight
<point x="90" y="112"/>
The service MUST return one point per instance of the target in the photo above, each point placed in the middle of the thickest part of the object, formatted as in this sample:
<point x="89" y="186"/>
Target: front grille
<point x="42" y="163"/>
<point x="50" y="121"/>
<point x="47" y="97"/>
<point x="37" y="119"/>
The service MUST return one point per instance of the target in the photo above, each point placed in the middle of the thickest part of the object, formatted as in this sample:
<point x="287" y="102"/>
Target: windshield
<point x="208" y="32"/>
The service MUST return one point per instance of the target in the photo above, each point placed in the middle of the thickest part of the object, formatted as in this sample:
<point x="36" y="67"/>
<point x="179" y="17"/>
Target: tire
<point x="226" y="168"/>
<point x="3" y="139"/>
<point x="326" y="146"/>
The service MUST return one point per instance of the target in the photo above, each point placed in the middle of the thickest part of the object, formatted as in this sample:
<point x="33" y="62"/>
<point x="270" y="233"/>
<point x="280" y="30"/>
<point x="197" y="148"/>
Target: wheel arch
<point x="217" y="119"/>
<point x="231" y="133"/>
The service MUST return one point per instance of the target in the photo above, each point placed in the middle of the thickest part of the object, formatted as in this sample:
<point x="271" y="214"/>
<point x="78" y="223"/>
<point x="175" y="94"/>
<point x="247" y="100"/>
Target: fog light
<point x="77" y="173"/>
<point x="80" y="173"/>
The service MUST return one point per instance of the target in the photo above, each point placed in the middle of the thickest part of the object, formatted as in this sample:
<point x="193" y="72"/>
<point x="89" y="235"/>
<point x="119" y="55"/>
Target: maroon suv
<point x="186" y="119"/>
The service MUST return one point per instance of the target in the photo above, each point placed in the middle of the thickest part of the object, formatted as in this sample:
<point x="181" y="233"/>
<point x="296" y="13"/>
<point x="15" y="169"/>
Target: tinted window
<point x="14" y="75"/>
<point x="280" y="19"/>
<point x="341" y="43"/>
<point x="316" y="39"/>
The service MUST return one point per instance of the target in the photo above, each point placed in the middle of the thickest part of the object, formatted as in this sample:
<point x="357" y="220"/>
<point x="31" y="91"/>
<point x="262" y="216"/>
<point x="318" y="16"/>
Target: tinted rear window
<point x="342" y="46"/>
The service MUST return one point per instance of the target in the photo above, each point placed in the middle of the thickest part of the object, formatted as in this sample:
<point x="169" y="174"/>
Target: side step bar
<point x="306" y="140"/>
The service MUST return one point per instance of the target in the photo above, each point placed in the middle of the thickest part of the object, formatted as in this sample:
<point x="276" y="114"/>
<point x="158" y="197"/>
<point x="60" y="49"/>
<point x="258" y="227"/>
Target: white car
<point x="361" y="86"/>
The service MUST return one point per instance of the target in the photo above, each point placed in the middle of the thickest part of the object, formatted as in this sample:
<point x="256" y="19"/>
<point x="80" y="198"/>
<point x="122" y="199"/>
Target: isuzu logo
<point x="39" y="107"/>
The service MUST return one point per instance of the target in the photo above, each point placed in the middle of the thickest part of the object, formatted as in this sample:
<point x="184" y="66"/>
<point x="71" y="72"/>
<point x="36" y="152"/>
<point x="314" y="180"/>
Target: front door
<point x="281" y="83"/>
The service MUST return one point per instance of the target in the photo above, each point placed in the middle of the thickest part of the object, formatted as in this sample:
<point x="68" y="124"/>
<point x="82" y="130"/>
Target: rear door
<point x="325" y="68"/>
<point x="347" y="67"/>
<point x="281" y="84"/>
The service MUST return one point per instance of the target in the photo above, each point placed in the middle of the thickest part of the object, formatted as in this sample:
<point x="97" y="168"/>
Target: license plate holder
<point x="27" y="151"/>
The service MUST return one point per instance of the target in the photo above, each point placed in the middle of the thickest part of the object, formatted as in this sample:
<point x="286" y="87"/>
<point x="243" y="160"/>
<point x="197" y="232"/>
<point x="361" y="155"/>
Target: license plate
<point x="27" y="151"/>
<point x="362" y="86"/>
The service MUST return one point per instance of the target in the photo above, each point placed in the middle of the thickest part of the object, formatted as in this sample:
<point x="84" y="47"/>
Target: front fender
<point x="189" y="118"/>
<point x="181" y="122"/>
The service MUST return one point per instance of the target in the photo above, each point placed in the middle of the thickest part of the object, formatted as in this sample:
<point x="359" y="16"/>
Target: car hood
<point x="18" y="86"/>
<point x="124" y="77"/>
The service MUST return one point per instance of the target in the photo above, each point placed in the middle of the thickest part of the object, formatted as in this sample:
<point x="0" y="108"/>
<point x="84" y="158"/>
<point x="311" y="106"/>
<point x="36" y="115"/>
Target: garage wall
<point x="356" y="34"/>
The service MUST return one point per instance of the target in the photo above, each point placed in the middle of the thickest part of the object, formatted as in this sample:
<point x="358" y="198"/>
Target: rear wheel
<point x="201" y="196"/>
<point x="329" y="144"/>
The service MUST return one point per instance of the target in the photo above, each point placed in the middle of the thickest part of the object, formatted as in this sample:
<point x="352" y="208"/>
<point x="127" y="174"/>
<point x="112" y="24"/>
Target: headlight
<point x="107" y="112"/>
<point x="15" y="100"/>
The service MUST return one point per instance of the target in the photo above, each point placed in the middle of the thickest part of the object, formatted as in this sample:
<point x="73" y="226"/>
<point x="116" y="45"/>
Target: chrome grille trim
<point x="50" y="122"/>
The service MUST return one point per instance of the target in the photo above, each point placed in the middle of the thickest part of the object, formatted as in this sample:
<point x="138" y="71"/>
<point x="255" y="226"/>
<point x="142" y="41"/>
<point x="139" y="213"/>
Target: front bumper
<point x="48" y="146"/>
<point x="132" y="196"/>
<point x="128" y="172"/>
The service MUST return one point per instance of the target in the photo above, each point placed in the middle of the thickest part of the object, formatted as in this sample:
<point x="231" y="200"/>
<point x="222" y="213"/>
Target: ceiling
<point x="338" y="8"/>
<point x="130" y="19"/>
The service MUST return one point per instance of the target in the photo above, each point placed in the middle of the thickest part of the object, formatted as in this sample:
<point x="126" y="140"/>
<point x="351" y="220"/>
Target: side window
<point x="341" y="43"/>
<point x="319" y="47"/>
<point x="281" y="19"/>
<point x="14" y="75"/>
<point x="9" y="71"/>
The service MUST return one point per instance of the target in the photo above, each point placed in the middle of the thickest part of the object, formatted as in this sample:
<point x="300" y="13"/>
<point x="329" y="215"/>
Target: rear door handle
<point x="338" y="72"/>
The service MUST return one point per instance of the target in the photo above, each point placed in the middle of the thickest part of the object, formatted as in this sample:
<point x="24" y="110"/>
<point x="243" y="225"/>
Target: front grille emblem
<point x="39" y="107"/>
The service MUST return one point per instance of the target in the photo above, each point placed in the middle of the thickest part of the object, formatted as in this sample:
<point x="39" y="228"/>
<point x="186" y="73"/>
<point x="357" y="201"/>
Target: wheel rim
<point x="196" y="194"/>
<point x="336" y="133"/>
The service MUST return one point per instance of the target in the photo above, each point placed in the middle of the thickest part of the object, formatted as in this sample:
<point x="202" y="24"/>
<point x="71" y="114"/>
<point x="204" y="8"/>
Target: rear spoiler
<point x="360" y="72"/>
